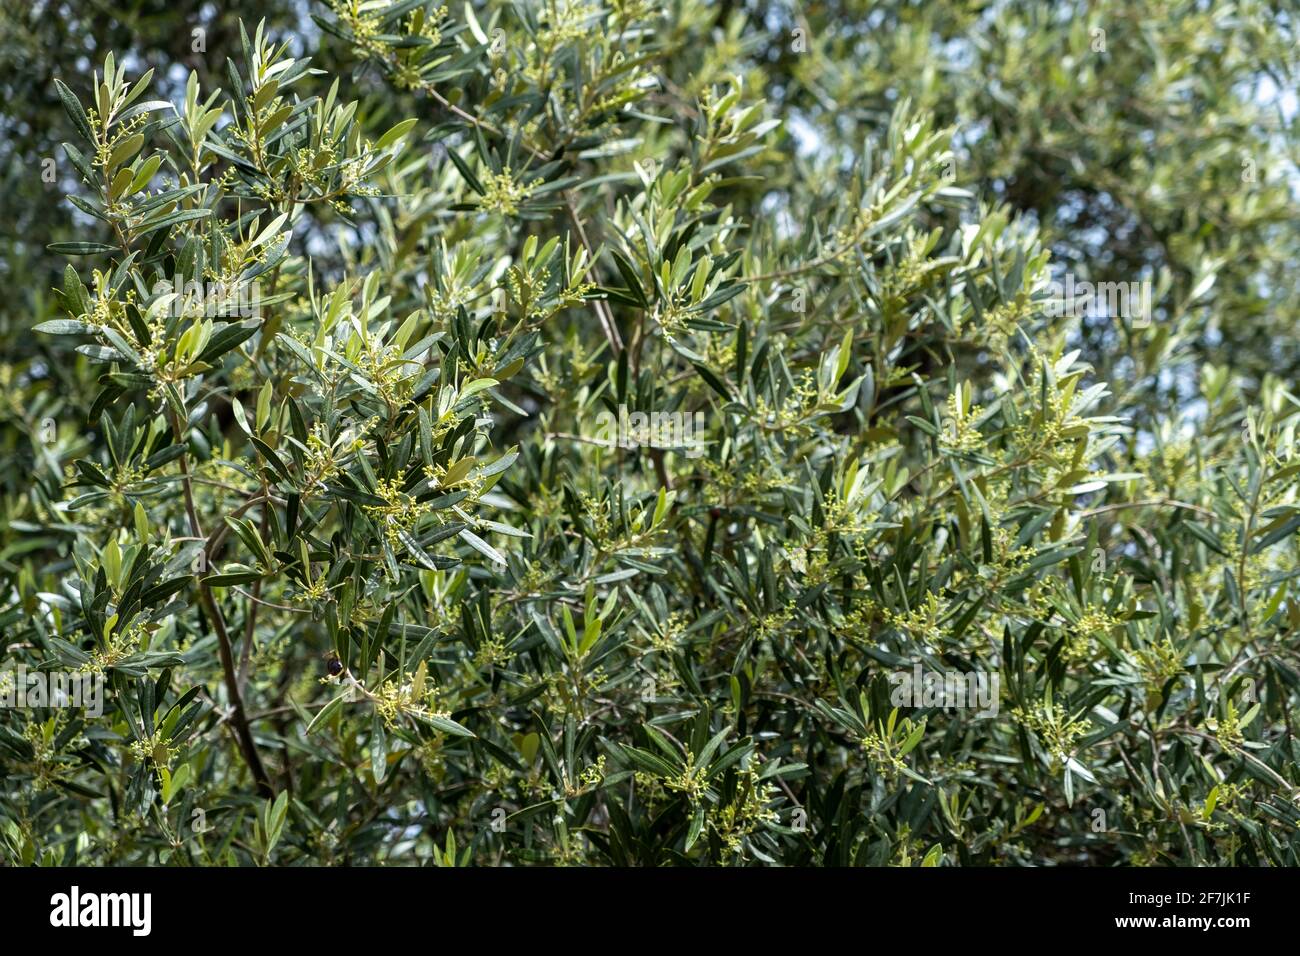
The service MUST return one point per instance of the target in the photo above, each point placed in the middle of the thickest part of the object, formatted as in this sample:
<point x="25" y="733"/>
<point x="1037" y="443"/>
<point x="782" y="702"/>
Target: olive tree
<point x="593" y="432"/>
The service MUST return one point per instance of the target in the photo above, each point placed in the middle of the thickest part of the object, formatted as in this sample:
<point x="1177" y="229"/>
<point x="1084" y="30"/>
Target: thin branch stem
<point x="244" y="733"/>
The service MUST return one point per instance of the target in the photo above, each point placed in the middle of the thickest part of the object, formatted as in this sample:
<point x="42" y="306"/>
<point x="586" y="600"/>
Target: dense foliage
<point x="325" y="451"/>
